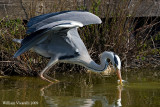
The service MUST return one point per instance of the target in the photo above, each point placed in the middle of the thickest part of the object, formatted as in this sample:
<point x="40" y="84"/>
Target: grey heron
<point x="55" y="36"/>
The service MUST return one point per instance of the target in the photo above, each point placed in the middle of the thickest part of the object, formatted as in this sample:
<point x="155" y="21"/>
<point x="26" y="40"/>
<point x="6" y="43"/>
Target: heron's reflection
<point x="90" y="99"/>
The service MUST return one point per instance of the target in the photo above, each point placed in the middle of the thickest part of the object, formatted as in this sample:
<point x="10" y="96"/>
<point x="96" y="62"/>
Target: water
<point x="76" y="90"/>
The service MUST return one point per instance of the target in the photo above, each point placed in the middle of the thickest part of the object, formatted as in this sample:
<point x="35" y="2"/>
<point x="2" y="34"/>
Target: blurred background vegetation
<point x="127" y="29"/>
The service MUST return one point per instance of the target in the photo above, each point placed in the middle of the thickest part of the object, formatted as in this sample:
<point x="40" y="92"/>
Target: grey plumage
<point x="55" y="36"/>
<point x="83" y="17"/>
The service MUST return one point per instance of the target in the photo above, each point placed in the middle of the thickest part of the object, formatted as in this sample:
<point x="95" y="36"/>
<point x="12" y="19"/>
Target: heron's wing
<point x="56" y="25"/>
<point x="77" y="40"/>
<point x="42" y="33"/>
<point x="83" y="17"/>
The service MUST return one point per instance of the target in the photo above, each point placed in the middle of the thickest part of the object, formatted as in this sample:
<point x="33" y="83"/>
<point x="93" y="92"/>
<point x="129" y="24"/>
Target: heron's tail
<point x="17" y="40"/>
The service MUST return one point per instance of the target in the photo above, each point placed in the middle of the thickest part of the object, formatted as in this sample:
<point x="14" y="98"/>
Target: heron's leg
<point x="49" y="65"/>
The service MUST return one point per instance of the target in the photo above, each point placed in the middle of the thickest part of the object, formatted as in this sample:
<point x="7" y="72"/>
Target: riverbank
<point x="30" y="63"/>
<point x="134" y="39"/>
<point x="10" y="66"/>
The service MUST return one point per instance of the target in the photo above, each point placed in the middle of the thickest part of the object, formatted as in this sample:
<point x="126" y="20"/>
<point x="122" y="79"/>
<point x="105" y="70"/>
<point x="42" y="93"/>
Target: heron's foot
<point x="49" y="80"/>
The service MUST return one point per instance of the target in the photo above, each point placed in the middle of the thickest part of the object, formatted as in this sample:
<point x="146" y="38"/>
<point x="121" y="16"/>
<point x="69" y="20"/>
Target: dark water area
<point x="142" y="89"/>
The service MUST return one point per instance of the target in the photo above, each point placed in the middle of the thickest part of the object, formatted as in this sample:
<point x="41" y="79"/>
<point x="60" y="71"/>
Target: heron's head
<point x="115" y="61"/>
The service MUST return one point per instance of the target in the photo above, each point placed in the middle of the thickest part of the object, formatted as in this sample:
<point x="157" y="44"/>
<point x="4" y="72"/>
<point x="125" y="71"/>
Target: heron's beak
<point x="119" y="76"/>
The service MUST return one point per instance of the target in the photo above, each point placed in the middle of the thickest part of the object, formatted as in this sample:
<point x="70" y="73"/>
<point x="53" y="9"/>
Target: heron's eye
<point x="108" y="60"/>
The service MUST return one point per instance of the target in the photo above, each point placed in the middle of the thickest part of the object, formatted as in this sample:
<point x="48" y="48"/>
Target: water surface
<point x="76" y="90"/>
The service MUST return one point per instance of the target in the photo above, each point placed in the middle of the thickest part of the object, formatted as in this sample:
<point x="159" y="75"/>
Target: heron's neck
<point x="103" y="62"/>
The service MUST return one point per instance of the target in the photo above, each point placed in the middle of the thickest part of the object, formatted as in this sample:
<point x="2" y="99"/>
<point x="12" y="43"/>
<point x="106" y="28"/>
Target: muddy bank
<point x="10" y="66"/>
